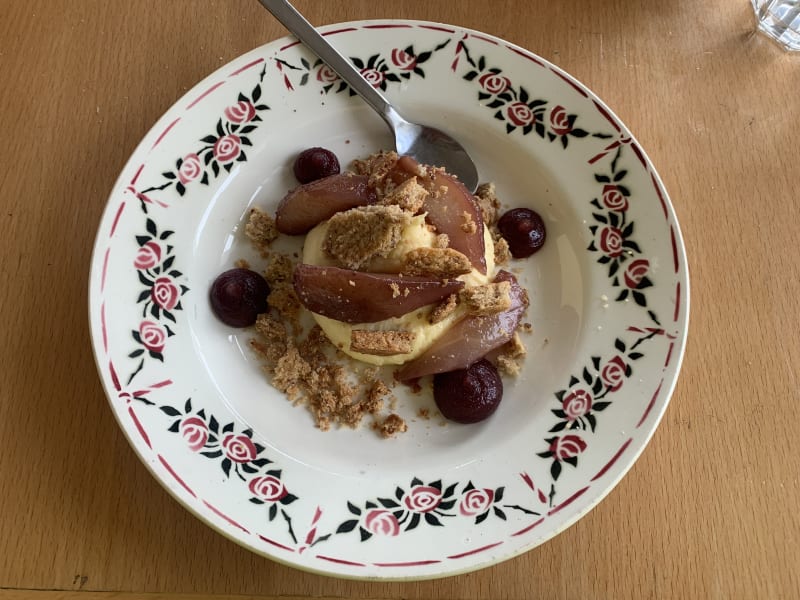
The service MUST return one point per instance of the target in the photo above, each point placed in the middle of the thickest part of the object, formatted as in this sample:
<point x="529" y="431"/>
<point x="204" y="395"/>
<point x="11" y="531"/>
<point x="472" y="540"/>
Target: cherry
<point x="238" y="296"/>
<point x="524" y="231"/>
<point x="468" y="395"/>
<point x="315" y="163"/>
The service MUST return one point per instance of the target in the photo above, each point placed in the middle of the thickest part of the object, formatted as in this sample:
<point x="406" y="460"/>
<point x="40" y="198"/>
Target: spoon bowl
<point x="427" y="145"/>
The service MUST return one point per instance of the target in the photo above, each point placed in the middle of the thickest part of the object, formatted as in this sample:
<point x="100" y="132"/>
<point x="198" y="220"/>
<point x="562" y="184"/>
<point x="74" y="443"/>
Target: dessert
<point x="398" y="271"/>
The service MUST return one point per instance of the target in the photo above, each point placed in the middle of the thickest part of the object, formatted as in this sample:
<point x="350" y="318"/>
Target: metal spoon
<point x="427" y="145"/>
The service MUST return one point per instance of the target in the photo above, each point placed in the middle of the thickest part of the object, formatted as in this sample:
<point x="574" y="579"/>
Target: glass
<point x="780" y="20"/>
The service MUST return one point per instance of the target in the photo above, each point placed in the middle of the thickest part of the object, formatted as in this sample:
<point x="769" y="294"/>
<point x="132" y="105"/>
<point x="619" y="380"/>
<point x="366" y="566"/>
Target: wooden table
<point x="711" y="508"/>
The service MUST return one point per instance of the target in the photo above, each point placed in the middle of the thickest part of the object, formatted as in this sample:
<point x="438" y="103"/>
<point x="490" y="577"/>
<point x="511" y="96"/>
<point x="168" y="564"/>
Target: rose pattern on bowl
<point x="160" y="296"/>
<point x="613" y="237"/>
<point x="514" y="105"/>
<point x="578" y="408"/>
<point x="221" y="150"/>
<point x="429" y="503"/>
<point x="379" y="70"/>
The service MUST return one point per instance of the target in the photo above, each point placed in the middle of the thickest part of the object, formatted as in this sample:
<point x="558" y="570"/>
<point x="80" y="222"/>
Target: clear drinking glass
<point x="780" y="20"/>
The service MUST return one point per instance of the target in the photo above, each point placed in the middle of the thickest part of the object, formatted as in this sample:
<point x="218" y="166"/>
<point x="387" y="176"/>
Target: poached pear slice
<point x="359" y="297"/>
<point x="308" y="205"/>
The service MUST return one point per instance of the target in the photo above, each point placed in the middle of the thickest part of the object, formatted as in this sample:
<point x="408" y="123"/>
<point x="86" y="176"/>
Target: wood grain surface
<point x="710" y="510"/>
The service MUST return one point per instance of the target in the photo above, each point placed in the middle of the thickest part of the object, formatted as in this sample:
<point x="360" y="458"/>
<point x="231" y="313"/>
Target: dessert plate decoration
<point x="609" y="307"/>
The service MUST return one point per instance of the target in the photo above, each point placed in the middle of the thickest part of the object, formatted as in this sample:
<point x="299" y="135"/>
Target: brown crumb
<point x="424" y="413"/>
<point x="375" y="397"/>
<point x="502" y="254"/>
<point x="487" y="299"/>
<point x="376" y="167"/>
<point x="511" y="354"/>
<point x="261" y="230"/>
<point x="290" y="371"/>
<point x="527" y="327"/>
<point x="280" y="269"/>
<point x="441" y="241"/>
<point x="395" y="290"/>
<point x="409" y="196"/>
<point x="488" y="202"/>
<point x="381" y="343"/>
<point x="274" y="334"/>
<point x="357" y="235"/>
<point x="444" y="309"/>
<point x="392" y="425"/>
<point x="468" y="224"/>
<point x="284" y="299"/>
<point x="436" y="262"/>
<point x="241" y="264"/>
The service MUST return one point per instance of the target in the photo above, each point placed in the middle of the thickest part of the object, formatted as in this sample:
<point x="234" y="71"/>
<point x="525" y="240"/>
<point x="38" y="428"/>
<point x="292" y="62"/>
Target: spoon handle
<point x="306" y="33"/>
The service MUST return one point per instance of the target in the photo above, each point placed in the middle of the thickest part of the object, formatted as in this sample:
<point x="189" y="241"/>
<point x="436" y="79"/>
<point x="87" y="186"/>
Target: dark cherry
<point x="524" y="231"/>
<point x="315" y="163"/>
<point x="238" y="296"/>
<point x="468" y="395"/>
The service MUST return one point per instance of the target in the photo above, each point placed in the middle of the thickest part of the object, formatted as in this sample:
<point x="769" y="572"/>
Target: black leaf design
<point x="481" y="517"/>
<point x="499" y="513"/>
<point x="288" y="499"/>
<point x="365" y="535"/>
<point x="353" y="509"/>
<point x="639" y="298"/>
<point x="213" y="424"/>
<point x="590" y="418"/>
<point x="571" y="460"/>
<point x="578" y="133"/>
<point x="175" y="427"/>
<point x="560" y="426"/>
<point x="635" y="355"/>
<point x="347" y="526"/>
<point x="170" y="411"/>
<point x="187" y="408"/>
<point x="449" y="491"/>
<point x="273" y="511"/>
<point x="600" y="406"/>
<point x="209" y="139"/>
<point x="431" y="519"/>
<point x="256" y="501"/>
<point x="413" y="522"/>
<point x="601" y="178"/>
<point x="555" y="470"/>
<point x="388" y="503"/>
<point x="226" y="466"/>
<point x="212" y="454"/>
<point x="620" y="175"/>
<point x="498" y="493"/>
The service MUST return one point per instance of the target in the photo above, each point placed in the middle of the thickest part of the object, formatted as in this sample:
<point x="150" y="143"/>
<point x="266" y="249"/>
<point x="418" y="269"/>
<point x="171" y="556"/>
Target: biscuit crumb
<point x="436" y="262"/>
<point x="409" y="196"/>
<point x="261" y="230"/>
<point x="377" y="167"/>
<point x="441" y="241"/>
<point x="443" y="309"/>
<point x="511" y="354"/>
<point x="468" y="224"/>
<point x="241" y="264"/>
<point x="424" y="413"/>
<point x="357" y="235"/>
<point x="395" y="290"/>
<point x="502" y="253"/>
<point x="392" y="425"/>
<point x="527" y="327"/>
<point x="487" y="299"/>
<point x="381" y="343"/>
<point x="280" y="269"/>
<point x="488" y="202"/>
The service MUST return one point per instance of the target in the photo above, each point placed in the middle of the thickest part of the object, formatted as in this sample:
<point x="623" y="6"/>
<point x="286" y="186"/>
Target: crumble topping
<point x="468" y="224"/>
<point x="487" y="299"/>
<point x="443" y="309"/>
<point x="436" y="262"/>
<point x="511" y="354"/>
<point x="488" y="202"/>
<point x="381" y="343"/>
<point x="409" y="196"/>
<point x="261" y="230"/>
<point x="502" y="253"/>
<point x="377" y="167"/>
<point x="392" y="425"/>
<point x="441" y="241"/>
<point x="357" y="235"/>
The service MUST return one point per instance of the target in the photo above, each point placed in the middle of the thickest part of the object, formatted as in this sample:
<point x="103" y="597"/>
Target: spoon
<point x="427" y="145"/>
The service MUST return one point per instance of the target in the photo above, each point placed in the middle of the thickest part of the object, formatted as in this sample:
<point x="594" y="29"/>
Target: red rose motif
<point x="195" y="432"/>
<point x="577" y="403"/>
<point x="493" y="83"/>
<point x="613" y="373"/>
<point x="227" y="148"/>
<point x="267" y="487"/>
<point x="239" y="448"/>
<point x="635" y="272"/>
<point x="614" y="199"/>
<point x="148" y="256"/>
<point x="520" y="114"/>
<point x="373" y="76"/>
<point x="241" y="112"/>
<point x="403" y="60"/>
<point x="153" y="336"/>
<point x="326" y="75"/>
<point x="476" y="501"/>
<point x="611" y="241"/>
<point x="560" y="121"/>
<point x="165" y="293"/>
<point x="381" y="522"/>
<point x="422" y="498"/>
<point x="567" y="446"/>
<point x="190" y="168"/>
